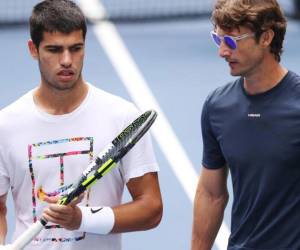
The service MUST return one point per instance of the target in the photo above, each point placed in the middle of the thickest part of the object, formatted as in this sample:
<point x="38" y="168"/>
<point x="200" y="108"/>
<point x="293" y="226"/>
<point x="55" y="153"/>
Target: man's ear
<point x="267" y="37"/>
<point x="33" y="49"/>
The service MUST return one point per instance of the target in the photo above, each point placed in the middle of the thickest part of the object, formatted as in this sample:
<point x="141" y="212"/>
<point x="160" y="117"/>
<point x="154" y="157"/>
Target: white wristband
<point x="97" y="220"/>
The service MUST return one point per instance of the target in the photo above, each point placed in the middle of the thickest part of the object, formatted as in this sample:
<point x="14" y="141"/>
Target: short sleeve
<point x="4" y="176"/>
<point x="212" y="154"/>
<point x="141" y="158"/>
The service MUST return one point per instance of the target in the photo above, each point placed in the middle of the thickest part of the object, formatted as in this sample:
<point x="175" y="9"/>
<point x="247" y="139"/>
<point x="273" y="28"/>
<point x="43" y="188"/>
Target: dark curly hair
<point x="257" y="15"/>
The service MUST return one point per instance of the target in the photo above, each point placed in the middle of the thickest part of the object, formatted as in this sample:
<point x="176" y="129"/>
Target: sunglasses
<point x="230" y="41"/>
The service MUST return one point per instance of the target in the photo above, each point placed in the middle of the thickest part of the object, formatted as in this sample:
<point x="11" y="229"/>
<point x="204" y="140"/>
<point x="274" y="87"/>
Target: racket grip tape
<point x="28" y="235"/>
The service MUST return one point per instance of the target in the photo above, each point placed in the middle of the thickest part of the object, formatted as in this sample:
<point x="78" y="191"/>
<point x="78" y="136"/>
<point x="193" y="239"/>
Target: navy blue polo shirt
<point x="258" y="138"/>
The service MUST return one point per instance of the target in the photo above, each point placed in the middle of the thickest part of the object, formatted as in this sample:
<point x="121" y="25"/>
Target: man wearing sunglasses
<point x="251" y="127"/>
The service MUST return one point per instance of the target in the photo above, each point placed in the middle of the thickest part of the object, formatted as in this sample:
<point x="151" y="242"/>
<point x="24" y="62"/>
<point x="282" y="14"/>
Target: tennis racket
<point x="100" y="166"/>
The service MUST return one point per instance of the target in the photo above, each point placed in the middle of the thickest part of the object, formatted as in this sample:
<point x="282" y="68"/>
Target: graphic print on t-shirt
<point x="54" y="165"/>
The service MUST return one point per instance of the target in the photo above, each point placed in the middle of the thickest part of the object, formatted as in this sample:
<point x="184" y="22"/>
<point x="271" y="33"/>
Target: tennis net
<point x="18" y="11"/>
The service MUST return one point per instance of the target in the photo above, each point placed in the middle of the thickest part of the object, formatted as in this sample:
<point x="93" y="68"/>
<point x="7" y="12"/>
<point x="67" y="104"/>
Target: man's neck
<point x="264" y="78"/>
<point x="60" y="102"/>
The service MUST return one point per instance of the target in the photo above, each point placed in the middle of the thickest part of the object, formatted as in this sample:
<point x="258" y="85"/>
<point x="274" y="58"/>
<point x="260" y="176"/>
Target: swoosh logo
<point x="96" y="210"/>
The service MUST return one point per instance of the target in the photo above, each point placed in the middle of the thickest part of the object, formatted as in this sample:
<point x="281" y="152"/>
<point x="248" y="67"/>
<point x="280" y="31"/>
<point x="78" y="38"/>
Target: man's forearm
<point x="3" y="224"/>
<point x="208" y="216"/>
<point x="145" y="210"/>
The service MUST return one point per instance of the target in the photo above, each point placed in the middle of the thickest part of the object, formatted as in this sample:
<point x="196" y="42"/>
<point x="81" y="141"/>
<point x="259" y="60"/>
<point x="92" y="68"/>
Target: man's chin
<point x="233" y="73"/>
<point x="63" y="86"/>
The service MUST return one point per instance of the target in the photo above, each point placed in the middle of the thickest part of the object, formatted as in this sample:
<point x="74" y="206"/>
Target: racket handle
<point x="28" y="235"/>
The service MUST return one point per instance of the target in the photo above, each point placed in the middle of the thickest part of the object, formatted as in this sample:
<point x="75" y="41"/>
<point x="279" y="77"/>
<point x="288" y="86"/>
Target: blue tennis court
<point x="180" y="66"/>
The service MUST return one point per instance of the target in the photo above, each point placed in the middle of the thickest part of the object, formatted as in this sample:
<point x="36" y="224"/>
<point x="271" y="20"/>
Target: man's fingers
<point x="55" y="214"/>
<point x="77" y="200"/>
<point x="55" y="199"/>
<point x="51" y="199"/>
<point x="68" y="216"/>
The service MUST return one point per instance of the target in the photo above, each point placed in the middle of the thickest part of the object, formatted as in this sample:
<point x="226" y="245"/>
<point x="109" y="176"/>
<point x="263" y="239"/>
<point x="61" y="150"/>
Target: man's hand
<point x="68" y="216"/>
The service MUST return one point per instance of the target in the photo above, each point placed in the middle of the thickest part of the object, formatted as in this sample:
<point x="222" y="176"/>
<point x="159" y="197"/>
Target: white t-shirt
<point x="39" y="149"/>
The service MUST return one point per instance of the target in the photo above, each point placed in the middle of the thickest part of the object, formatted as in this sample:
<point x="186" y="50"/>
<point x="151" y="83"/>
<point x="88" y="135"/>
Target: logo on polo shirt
<point x="254" y="115"/>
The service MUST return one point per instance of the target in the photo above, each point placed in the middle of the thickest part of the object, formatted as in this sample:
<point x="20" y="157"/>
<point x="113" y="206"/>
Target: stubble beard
<point x="248" y="71"/>
<point x="56" y="85"/>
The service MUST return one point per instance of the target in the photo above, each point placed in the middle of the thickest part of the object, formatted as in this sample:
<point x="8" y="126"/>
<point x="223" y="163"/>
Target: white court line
<point x="139" y="91"/>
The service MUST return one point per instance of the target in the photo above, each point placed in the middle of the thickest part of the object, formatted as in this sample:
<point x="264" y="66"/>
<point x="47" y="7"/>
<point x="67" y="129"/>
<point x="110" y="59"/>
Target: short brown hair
<point x="257" y="15"/>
